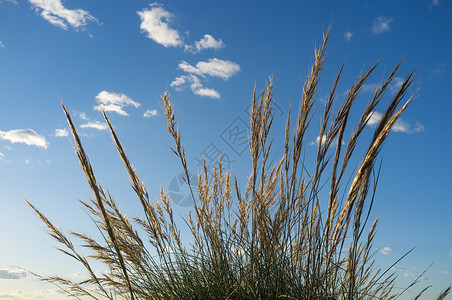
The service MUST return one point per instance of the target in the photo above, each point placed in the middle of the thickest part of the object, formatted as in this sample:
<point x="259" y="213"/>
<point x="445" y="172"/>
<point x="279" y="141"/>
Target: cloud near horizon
<point x="16" y="274"/>
<point x="56" y="14"/>
<point x="114" y="102"/>
<point x="25" y="136"/>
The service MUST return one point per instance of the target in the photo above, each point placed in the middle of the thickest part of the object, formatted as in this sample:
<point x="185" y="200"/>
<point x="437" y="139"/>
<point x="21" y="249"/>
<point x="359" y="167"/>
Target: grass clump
<point x="269" y="239"/>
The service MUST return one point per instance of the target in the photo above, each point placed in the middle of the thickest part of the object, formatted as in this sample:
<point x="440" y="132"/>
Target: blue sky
<point x="122" y="55"/>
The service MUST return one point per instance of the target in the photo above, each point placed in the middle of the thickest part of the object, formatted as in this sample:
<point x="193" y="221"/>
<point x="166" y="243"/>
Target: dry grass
<point x="269" y="239"/>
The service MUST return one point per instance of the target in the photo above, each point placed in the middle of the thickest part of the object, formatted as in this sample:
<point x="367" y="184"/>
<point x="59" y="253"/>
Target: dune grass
<point x="267" y="239"/>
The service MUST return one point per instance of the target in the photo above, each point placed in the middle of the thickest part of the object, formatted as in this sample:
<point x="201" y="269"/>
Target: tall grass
<point x="269" y="239"/>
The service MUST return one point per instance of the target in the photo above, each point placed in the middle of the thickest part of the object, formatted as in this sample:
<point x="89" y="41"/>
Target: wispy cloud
<point x="410" y="274"/>
<point x="381" y="25"/>
<point x="450" y="252"/>
<point x="82" y="116"/>
<point x="56" y="14"/>
<point x="398" y="268"/>
<point x="396" y="84"/>
<point x="61" y="132"/>
<point x="207" y="42"/>
<point x="348" y="35"/>
<point x="435" y="2"/>
<point x="399" y="126"/>
<point x="95" y="125"/>
<point x="150" y="113"/>
<point x="195" y="85"/>
<point x="15" y="274"/>
<point x="214" y="67"/>
<point x="2" y="45"/>
<point x="369" y="87"/>
<point x="10" y="1"/>
<point x="44" y="293"/>
<point x="386" y="250"/>
<point x="2" y="156"/>
<point x="114" y="102"/>
<point x="26" y="136"/>
<point x="155" y="23"/>
<point x="441" y="68"/>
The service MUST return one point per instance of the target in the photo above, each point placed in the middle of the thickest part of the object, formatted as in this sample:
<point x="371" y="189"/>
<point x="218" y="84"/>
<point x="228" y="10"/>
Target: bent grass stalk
<point x="269" y="239"/>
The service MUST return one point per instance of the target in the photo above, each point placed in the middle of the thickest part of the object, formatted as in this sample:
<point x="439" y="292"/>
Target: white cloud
<point x="114" y="102"/>
<point x="26" y="136"/>
<point x="155" y="21"/>
<point x="207" y="42"/>
<point x="348" y="35"/>
<point x="2" y="45"/>
<point x="95" y="125"/>
<point x="445" y="272"/>
<point x="2" y="156"/>
<point x="16" y="274"/>
<point x="435" y="2"/>
<point x="206" y="92"/>
<point x="56" y="14"/>
<point x="195" y="85"/>
<point x="214" y="67"/>
<point x="399" y="126"/>
<point x="150" y="113"/>
<point x="178" y="82"/>
<point x="61" y="132"/>
<point x="386" y="250"/>
<point x="450" y="252"/>
<point x="317" y="141"/>
<point x="381" y="25"/>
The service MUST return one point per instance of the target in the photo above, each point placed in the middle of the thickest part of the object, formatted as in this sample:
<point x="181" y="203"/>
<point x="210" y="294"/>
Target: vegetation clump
<point x="270" y="239"/>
